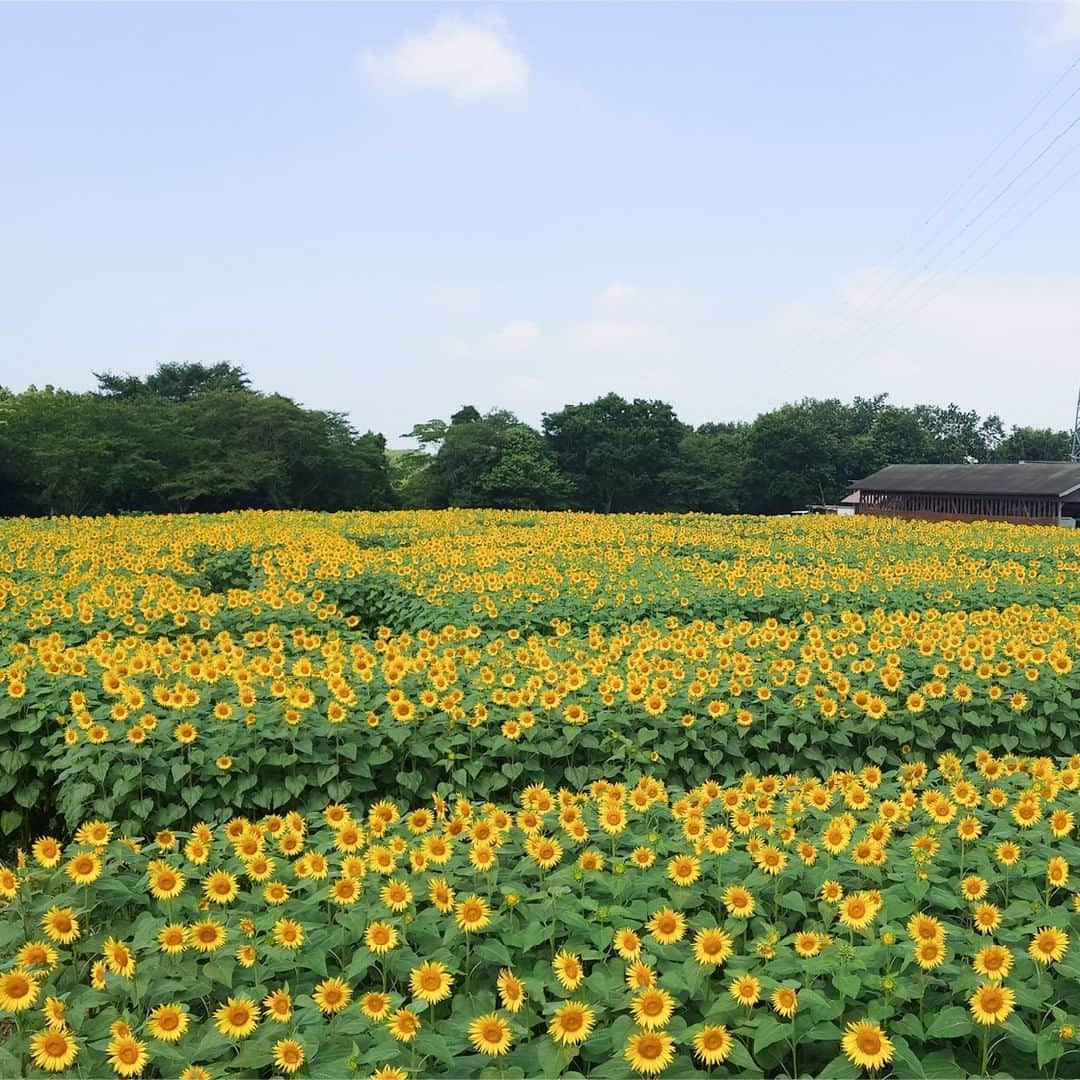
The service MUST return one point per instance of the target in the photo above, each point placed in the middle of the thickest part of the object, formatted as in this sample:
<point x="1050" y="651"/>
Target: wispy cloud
<point x="601" y="335"/>
<point x="1058" y="24"/>
<point x="468" y="56"/>
<point x="516" y="336"/>
<point x="455" y="299"/>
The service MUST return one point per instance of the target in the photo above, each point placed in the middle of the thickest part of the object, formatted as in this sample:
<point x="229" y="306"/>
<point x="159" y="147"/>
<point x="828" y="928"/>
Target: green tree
<point x="175" y="382"/>
<point x="492" y="460"/>
<point x="616" y="453"/>
<point x="1033" y="444"/>
<point x="708" y="475"/>
<point x="959" y="436"/>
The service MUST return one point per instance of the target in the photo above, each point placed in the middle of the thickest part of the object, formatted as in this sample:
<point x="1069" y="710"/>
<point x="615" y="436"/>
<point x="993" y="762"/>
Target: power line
<point x="917" y="283"/>
<point x="871" y="306"/>
<point x="969" y="266"/>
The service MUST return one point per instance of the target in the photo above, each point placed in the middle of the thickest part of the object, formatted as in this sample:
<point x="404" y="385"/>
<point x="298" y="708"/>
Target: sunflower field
<point x="475" y="793"/>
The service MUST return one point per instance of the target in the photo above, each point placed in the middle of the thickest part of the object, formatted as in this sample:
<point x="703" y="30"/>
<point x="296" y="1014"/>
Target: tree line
<point x="191" y="437"/>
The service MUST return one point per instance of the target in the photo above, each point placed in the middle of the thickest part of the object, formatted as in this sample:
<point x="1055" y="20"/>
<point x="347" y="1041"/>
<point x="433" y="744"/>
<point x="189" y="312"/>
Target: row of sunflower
<point x="920" y="919"/>
<point x="425" y="568"/>
<point x="276" y="716"/>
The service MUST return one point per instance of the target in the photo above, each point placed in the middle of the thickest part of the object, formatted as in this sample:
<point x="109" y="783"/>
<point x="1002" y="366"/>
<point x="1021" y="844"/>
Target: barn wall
<point x="932" y="515"/>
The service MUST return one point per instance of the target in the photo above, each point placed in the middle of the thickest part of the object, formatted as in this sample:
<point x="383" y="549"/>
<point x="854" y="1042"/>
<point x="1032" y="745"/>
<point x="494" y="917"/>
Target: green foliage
<point x="615" y="452"/>
<point x="493" y="461"/>
<point x="187" y="438"/>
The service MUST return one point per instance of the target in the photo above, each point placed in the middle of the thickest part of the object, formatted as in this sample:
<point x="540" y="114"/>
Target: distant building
<point x="1029" y="492"/>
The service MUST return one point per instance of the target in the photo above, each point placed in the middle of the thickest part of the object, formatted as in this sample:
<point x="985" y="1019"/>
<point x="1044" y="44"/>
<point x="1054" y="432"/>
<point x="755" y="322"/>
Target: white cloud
<point x="601" y="335"/>
<point x="516" y="336"/>
<point x="455" y="299"/>
<point x="1058" y="24"/>
<point x="996" y="344"/>
<point x="468" y="56"/>
<point x="621" y="294"/>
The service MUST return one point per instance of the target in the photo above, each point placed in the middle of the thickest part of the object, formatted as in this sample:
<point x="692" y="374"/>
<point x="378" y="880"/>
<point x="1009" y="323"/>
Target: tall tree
<point x="175" y="382"/>
<point x="708" y="474"/>
<point x="615" y="452"/>
<point x="1033" y="444"/>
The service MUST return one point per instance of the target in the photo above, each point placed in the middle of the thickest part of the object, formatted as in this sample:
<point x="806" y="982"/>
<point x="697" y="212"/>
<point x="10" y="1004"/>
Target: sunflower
<point x="991" y="1003"/>
<point x="712" y="947"/>
<point x="571" y="1023"/>
<point x="993" y="962"/>
<point x="207" y="936"/>
<point x="1048" y="945"/>
<point x="172" y="938"/>
<point x="220" y="887"/>
<point x="639" y="975"/>
<point x="684" y="870"/>
<point x="652" y="1008"/>
<point x="166" y="882"/>
<point x="649" y="1052"/>
<point x="929" y="954"/>
<point x="84" y="868"/>
<point x="288" y="1055"/>
<point x="667" y="926"/>
<point x="345" y="891"/>
<point x="375" y="1005"/>
<point x="568" y="969"/>
<point x="713" y="1044"/>
<point x="1007" y="853"/>
<point x="856" y="912"/>
<point x="396" y="895"/>
<point x="987" y="918"/>
<point x="332" y="995"/>
<point x="431" y="982"/>
<point x="808" y="944"/>
<point x="745" y="989"/>
<point x="288" y="934"/>
<point x="866" y="1045"/>
<point x="167" y="1022"/>
<point x="36" y="954"/>
<point x="832" y="892"/>
<point x="93" y="833"/>
<point x="237" y="1018"/>
<point x="60" y="925"/>
<point x="53" y="1050"/>
<point x="739" y="902"/>
<point x="785" y="1001"/>
<point x="55" y="1010"/>
<point x="380" y="937"/>
<point x="389" y="1072"/>
<point x="46" y="852"/>
<point x="18" y="990"/>
<point x="472" y="914"/>
<point x="1057" y="872"/>
<point x="119" y="958"/>
<point x="490" y="1035"/>
<point x="127" y="1055"/>
<point x="279" y="1006"/>
<point x="627" y="944"/>
<point x="511" y="991"/>
<point x="275" y="892"/>
<point x="973" y="888"/>
<point x="404" y="1025"/>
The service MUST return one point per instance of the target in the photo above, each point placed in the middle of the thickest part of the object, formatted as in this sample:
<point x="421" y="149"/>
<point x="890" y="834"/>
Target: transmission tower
<point x="1074" y="445"/>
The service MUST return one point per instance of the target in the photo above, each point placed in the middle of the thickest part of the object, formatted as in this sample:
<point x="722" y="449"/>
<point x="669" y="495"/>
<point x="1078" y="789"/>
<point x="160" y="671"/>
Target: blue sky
<point x="394" y="209"/>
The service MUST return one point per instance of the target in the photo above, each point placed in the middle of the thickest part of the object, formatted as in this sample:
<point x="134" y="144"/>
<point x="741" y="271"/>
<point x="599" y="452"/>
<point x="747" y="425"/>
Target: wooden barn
<point x="1028" y="493"/>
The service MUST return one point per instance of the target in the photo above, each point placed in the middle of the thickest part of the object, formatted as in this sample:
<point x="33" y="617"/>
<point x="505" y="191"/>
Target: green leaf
<point x="770" y="1031"/>
<point x="794" y="901"/>
<point x="952" y="1022"/>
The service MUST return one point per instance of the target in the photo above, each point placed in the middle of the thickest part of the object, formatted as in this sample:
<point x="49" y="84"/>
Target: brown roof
<point x="1048" y="479"/>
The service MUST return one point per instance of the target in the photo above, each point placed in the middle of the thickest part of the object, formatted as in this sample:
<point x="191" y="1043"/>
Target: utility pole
<point x="1074" y="444"/>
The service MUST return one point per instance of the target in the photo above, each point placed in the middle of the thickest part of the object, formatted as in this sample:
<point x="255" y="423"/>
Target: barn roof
<point x="1053" y="479"/>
